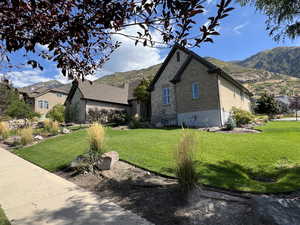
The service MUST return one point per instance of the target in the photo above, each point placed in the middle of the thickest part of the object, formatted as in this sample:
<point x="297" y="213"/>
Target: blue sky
<point x="242" y="35"/>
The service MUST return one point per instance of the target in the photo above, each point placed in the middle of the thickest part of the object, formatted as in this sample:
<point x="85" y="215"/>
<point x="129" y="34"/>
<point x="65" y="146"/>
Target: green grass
<point x="3" y="218"/>
<point x="232" y="161"/>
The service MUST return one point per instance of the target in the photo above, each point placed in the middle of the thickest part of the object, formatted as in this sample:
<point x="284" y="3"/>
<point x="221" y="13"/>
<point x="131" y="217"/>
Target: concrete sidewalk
<point x="30" y="195"/>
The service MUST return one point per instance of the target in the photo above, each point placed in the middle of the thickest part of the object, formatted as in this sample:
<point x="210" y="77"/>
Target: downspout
<point x="219" y="99"/>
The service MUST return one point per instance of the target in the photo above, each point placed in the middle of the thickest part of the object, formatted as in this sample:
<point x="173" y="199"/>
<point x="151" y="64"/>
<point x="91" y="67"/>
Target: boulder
<point x="13" y="140"/>
<point x="107" y="160"/>
<point x="38" y="138"/>
<point x="80" y="163"/>
<point x="277" y="211"/>
<point x="66" y="131"/>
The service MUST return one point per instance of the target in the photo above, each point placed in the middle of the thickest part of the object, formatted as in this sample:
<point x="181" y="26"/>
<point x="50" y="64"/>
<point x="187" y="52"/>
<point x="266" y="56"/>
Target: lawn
<point x="263" y="162"/>
<point x="3" y="219"/>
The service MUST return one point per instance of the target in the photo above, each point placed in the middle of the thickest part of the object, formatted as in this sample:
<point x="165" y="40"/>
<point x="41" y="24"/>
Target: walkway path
<point x="30" y="195"/>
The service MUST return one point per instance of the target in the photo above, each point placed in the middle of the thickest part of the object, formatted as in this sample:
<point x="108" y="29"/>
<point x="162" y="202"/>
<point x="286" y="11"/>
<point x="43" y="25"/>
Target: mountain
<point x="284" y="60"/>
<point x="48" y="84"/>
<point x="258" y="81"/>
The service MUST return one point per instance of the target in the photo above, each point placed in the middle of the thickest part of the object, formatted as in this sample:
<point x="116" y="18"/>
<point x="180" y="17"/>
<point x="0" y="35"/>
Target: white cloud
<point x="237" y="28"/>
<point x="130" y="57"/>
<point x="25" y="78"/>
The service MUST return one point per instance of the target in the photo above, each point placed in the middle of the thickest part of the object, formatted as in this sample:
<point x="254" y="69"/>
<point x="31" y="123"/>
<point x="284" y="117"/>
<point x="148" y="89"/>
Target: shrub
<point x="230" y="124"/>
<point x="184" y="161"/>
<point x="135" y="123"/>
<point x="104" y="116"/>
<point x="26" y="136"/>
<point x="51" y="127"/>
<point x="57" y="113"/>
<point x="241" y="117"/>
<point x="4" y="130"/>
<point x="96" y="135"/>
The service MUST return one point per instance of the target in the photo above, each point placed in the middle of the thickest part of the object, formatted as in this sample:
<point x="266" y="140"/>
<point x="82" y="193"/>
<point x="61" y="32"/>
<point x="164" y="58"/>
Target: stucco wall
<point x="232" y="96"/>
<point x="52" y="99"/>
<point x="159" y="110"/>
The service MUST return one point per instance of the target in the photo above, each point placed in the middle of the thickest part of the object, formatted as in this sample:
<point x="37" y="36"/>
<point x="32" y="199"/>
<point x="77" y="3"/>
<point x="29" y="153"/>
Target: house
<point x="86" y="96"/>
<point x="43" y="99"/>
<point x="188" y="90"/>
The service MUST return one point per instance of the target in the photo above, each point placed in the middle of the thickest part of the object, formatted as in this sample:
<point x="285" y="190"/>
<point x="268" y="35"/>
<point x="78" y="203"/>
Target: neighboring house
<point x="188" y="90"/>
<point x="43" y="99"/>
<point x="85" y="96"/>
<point x="284" y="102"/>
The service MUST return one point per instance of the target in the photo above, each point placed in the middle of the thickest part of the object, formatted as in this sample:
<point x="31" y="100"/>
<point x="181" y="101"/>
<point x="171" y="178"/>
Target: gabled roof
<point x="192" y="55"/>
<point x="100" y="92"/>
<point x="43" y="90"/>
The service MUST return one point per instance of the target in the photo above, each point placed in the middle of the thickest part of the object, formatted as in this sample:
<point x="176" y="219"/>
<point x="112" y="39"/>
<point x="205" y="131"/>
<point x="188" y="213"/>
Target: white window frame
<point x="166" y="96"/>
<point x="41" y="104"/>
<point x="46" y="104"/>
<point x="195" y="88"/>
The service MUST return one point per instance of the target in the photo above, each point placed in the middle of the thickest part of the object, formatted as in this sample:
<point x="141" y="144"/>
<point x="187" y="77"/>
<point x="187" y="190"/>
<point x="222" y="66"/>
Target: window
<point x="40" y="103"/>
<point x="46" y="105"/>
<point x="166" y="96"/>
<point x="195" y="90"/>
<point x="178" y="56"/>
<point x="59" y="95"/>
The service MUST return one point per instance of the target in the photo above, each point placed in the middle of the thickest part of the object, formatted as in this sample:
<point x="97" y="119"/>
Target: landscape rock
<point x="107" y="160"/>
<point x="80" y="162"/>
<point x="13" y="140"/>
<point x="66" y="131"/>
<point x="38" y="138"/>
<point x="277" y="211"/>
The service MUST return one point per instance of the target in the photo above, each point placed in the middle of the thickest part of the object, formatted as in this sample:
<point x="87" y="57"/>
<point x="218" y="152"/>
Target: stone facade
<point x="160" y="111"/>
<point x="216" y="95"/>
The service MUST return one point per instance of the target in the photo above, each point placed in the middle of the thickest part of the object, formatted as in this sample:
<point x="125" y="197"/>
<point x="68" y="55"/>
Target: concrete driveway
<point x="30" y="195"/>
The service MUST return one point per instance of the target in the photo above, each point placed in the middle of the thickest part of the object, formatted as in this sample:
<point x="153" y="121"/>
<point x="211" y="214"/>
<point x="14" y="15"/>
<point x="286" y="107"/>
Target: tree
<point x="20" y="110"/>
<point x="141" y="92"/>
<point x="79" y="33"/>
<point x="282" y="16"/>
<point x="295" y="104"/>
<point x="57" y="113"/>
<point x="267" y="104"/>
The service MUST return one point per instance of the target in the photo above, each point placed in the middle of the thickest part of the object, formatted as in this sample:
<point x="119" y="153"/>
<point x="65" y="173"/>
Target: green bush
<point x="230" y="124"/>
<point x="185" y="161"/>
<point x="241" y="117"/>
<point x="57" y="113"/>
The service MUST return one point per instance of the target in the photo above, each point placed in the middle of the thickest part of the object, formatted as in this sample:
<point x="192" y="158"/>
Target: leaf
<point x="209" y="40"/>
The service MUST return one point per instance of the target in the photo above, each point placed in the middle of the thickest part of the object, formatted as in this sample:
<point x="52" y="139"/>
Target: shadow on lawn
<point x="228" y="175"/>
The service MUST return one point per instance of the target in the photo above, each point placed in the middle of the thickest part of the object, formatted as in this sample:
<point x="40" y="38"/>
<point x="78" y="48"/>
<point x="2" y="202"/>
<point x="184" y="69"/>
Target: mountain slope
<point x="47" y="84"/>
<point x="258" y="81"/>
<point x="284" y="60"/>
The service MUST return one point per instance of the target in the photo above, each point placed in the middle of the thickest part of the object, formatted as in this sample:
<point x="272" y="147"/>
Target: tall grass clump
<point x="51" y="126"/>
<point x="185" y="168"/>
<point x="96" y="135"/>
<point x="4" y="130"/>
<point x="26" y="136"/>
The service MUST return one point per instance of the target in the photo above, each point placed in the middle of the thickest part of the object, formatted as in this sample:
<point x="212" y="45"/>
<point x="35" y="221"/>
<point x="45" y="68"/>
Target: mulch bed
<point x="159" y="200"/>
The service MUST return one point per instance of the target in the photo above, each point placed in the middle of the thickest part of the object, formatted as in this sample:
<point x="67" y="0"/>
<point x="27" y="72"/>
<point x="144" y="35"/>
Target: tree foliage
<point x="141" y="92"/>
<point x="79" y="34"/>
<point x="282" y="16"/>
<point x="267" y="104"/>
<point x="57" y="113"/>
<point x="20" y="110"/>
